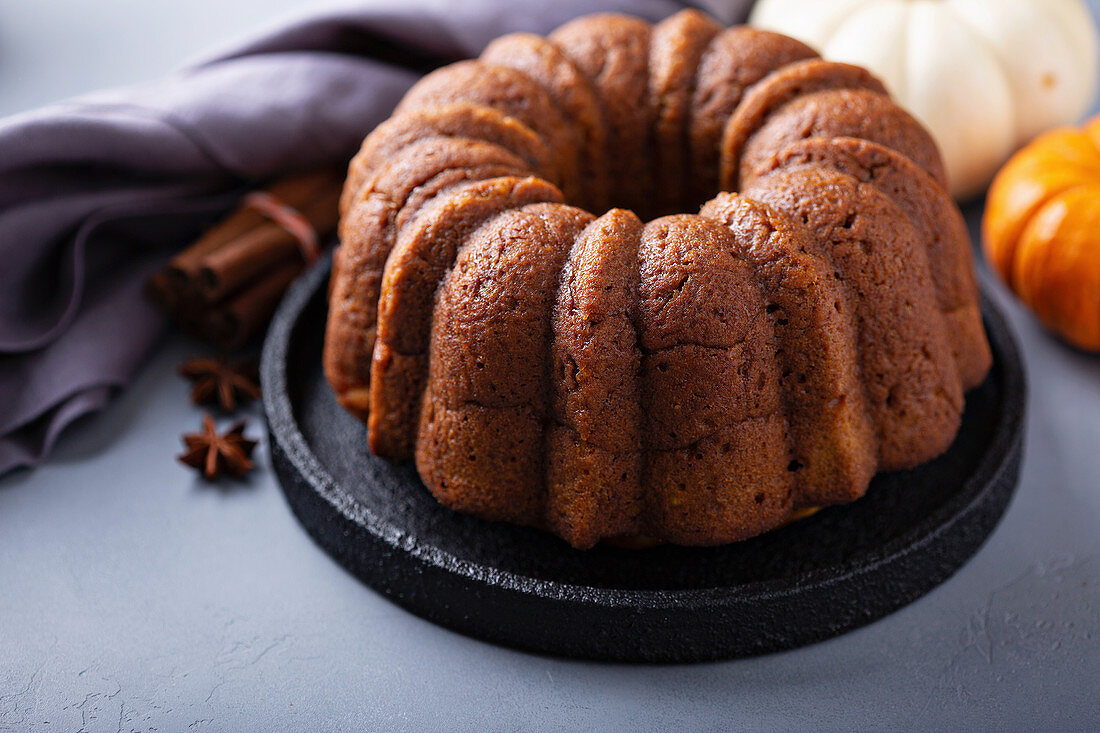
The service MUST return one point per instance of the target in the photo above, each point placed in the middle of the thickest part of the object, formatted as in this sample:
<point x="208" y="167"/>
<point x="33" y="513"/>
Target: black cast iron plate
<point x="839" y="569"/>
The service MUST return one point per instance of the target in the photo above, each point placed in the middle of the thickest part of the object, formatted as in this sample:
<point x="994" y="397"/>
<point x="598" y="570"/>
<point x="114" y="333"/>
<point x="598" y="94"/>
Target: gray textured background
<point x="133" y="597"/>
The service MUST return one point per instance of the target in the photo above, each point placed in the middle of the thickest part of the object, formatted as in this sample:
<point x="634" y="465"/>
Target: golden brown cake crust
<point x="772" y="93"/>
<point x="908" y="372"/>
<point x="842" y="113"/>
<point x="612" y="51"/>
<point x="546" y="64"/>
<point x="833" y="442"/>
<point x="675" y="48"/>
<point x="595" y="352"/>
<point x="594" y="459"/>
<point x="367" y="234"/>
<point x="464" y="120"/>
<point x="481" y="444"/>
<point x="706" y="394"/>
<point x="696" y="379"/>
<point x="422" y="257"/>
<point x="735" y="60"/>
<point x="939" y="224"/>
<point x="511" y="92"/>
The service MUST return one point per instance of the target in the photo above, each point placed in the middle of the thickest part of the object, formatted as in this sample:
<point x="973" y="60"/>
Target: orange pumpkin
<point x="1042" y="230"/>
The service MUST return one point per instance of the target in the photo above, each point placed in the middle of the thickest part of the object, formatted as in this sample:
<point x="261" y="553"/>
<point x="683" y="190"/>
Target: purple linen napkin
<point x="96" y="192"/>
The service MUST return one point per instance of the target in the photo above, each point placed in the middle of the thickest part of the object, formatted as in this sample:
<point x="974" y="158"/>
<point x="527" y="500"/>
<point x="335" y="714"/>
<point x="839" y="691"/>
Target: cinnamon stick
<point x="268" y="245"/>
<point x="182" y="269"/>
<point x="226" y="286"/>
<point x="231" y="324"/>
<point x="159" y="289"/>
<point x="243" y="260"/>
<point x="296" y="192"/>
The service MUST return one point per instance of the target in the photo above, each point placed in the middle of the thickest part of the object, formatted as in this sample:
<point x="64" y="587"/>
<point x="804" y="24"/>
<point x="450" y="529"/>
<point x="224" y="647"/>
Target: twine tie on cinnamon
<point x="290" y="219"/>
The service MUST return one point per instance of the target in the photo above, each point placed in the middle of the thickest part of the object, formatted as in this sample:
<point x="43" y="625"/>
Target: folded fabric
<point x="97" y="192"/>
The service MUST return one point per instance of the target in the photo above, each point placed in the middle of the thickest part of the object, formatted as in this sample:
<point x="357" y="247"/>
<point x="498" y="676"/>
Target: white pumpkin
<point x="985" y="76"/>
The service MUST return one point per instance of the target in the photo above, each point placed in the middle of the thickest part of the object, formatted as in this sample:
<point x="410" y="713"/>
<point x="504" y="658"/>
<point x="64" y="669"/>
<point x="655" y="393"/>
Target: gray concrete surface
<point x="134" y="597"/>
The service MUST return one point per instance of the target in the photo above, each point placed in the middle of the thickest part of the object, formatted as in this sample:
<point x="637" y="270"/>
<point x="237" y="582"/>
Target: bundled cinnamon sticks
<point x="225" y="287"/>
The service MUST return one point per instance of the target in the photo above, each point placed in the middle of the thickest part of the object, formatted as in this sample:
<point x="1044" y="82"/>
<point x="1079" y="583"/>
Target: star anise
<point x="216" y="380"/>
<point x="215" y="454"/>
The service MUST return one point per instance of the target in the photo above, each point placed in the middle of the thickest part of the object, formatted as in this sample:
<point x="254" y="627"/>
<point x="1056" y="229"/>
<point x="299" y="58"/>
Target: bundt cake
<point x="689" y="378"/>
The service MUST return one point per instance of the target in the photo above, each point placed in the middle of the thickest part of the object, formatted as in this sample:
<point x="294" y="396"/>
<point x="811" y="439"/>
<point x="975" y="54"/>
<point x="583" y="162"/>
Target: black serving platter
<point x="834" y="571"/>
